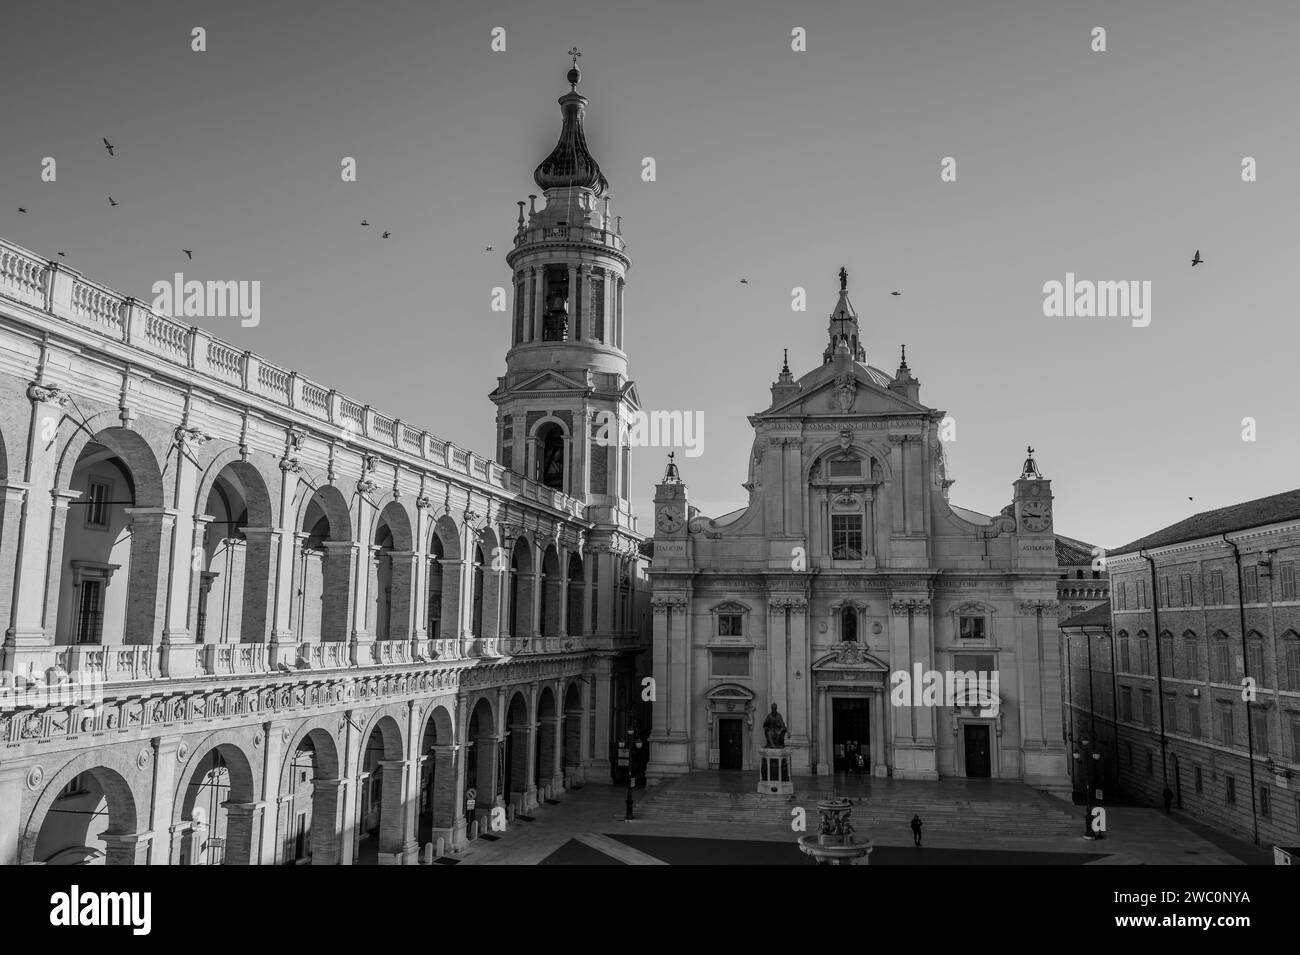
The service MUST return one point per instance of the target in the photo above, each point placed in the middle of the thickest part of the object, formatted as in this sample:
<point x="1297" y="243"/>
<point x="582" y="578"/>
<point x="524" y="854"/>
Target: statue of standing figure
<point x="774" y="729"/>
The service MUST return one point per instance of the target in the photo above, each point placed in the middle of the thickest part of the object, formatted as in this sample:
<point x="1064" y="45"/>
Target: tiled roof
<point x="1098" y="616"/>
<point x="1264" y="510"/>
<point x="1071" y="552"/>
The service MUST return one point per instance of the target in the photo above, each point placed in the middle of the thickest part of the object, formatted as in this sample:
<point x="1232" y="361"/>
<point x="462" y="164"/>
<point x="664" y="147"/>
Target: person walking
<point x="916" y="829"/>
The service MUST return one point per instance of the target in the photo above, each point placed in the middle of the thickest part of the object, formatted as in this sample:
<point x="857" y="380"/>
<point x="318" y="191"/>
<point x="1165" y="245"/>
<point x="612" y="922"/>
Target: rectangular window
<point x="1230" y="791"/>
<point x="971" y="628"/>
<point x="1142" y="595"/>
<point x="1197" y="783"/>
<point x="97" y="503"/>
<point x="1185" y="584"/>
<point x="1144" y="654"/>
<point x="1123" y="596"/>
<point x="1250" y="585"/>
<point x="1124" y="662"/>
<point x="1216" y="586"/>
<point x="846" y="536"/>
<point x="1164" y="592"/>
<point x="1265" y="807"/>
<point x="1171" y="713"/>
<point x="1295" y="741"/>
<point x="90" y="612"/>
<point x="1146" y="707"/>
<point x="1126" y="703"/>
<point x="977" y="662"/>
<point x="1255" y="659"/>
<point x="1194" y="719"/>
<point x="1167" y="655"/>
<point x="1225" y="723"/>
<point x="1287" y="573"/>
<point x="730" y="662"/>
<point x="1193" y="661"/>
<point x="1220" y="673"/>
<point x="731" y="625"/>
<point x="1292" y="653"/>
<point x="1259" y="728"/>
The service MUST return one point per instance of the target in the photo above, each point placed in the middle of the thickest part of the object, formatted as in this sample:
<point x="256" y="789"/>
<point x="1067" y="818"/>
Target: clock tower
<point x="1033" y="514"/>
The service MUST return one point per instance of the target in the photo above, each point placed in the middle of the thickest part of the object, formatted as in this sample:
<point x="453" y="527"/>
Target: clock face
<point x="670" y="519"/>
<point x="1035" y="515"/>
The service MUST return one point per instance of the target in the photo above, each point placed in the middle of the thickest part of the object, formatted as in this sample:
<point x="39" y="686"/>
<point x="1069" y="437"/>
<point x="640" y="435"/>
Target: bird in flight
<point x="189" y="254"/>
<point x="895" y="293"/>
<point x="1196" y="259"/>
<point x="60" y="253"/>
<point x="488" y="249"/>
<point x="109" y="146"/>
<point x="385" y="235"/>
<point x="112" y="201"/>
<point x="365" y="222"/>
<point x="744" y="281"/>
<point x="22" y="210"/>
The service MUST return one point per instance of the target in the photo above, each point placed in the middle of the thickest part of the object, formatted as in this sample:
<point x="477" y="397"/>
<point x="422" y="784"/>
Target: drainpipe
<point x="1245" y="672"/>
<point x="1114" y="703"/>
<point x="1160" y="680"/>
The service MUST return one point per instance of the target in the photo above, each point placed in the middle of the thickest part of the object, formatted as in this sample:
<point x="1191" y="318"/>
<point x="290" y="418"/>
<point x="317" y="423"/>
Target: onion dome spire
<point x="570" y="162"/>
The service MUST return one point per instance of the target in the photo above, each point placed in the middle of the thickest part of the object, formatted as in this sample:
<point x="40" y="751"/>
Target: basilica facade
<point x="847" y="584"/>
<point x="250" y="619"/>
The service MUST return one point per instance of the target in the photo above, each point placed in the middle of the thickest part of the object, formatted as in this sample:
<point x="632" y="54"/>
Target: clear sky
<point x="773" y="165"/>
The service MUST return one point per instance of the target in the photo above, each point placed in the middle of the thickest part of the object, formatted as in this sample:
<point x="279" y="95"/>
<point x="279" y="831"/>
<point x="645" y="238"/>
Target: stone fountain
<point x="834" y="843"/>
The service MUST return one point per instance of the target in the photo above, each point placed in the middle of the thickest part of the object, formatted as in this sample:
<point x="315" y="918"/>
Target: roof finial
<point x="1030" y="470"/>
<point x="785" y="361"/>
<point x="844" y="279"/>
<point x="575" y="74"/>
<point x="904" y="361"/>
<point x="670" y="473"/>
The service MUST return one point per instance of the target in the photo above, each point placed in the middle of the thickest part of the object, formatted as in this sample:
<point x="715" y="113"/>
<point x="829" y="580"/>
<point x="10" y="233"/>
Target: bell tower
<point x="565" y="399"/>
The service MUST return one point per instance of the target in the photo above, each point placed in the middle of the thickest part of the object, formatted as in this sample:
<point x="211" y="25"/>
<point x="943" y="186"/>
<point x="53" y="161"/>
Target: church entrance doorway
<point x="977" y="751"/>
<point x="731" y="746"/>
<point x="851" y="734"/>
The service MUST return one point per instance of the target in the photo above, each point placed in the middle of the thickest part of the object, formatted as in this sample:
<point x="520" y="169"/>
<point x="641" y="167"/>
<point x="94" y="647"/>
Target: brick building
<point x="1203" y="694"/>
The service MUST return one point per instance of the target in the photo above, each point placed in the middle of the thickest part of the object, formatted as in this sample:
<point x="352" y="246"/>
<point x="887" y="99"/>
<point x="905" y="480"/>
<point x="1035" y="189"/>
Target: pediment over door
<point x="850" y="655"/>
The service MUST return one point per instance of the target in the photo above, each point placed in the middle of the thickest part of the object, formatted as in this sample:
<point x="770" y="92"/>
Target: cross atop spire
<point x="574" y="73"/>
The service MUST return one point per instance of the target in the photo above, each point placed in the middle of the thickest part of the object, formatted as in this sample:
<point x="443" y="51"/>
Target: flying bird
<point x="895" y="293"/>
<point x="22" y="210"/>
<point x="109" y="146"/>
<point x="60" y="253"/>
<point x="489" y="249"/>
<point x="1196" y="259"/>
<point x="385" y="235"/>
<point x="744" y="281"/>
<point x="364" y="222"/>
<point x="189" y="254"/>
<point x="112" y="201"/>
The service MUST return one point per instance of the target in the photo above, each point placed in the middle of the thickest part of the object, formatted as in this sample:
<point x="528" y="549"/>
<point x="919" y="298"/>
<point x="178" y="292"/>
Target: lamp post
<point x="1094" y="792"/>
<point x="1083" y="761"/>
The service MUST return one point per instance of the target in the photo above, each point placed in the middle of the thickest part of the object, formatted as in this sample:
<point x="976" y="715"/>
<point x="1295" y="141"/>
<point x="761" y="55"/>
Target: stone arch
<point x="518" y="740"/>
<point x="575" y="607"/>
<point x="114" y="541"/>
<point x="309" y="824"/>
<point x="437" y="802"/>
<point x="866" y="451"/>
<point x="383" y="766"/>
<point x="482" y="756"/>
<point x="551" y="582"/>
<point x="97" y="778"/>
<point x="322" y="588"/>
<point x="549" y="452"/>
<point x="231" y="599"/>
<point x="572" y="743"/>
<point x="548" y="723"/>
<point x="216" y="792"/>
<point x="521" y="588"/>
<point x="391" y="580"/>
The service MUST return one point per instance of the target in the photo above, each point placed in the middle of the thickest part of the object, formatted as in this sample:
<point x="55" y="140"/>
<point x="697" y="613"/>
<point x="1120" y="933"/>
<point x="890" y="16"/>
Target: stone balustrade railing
<point x="592" y="235"/>
<point x="66" y="295"/>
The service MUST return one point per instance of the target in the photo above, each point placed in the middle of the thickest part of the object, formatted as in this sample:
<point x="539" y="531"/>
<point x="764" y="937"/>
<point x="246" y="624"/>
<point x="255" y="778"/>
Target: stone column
<point x="129" y="848"/>
<point x="331" y="825"/>
<point x="12" y="498"/>
<point x="539" y="302"/>
<point x="284" y="647"/>
<point x="185" y="534"/>
<point x="825" y="739"/>
<point x="260" y="575"/>
<point x="244" y="835"/>
<point x="448" y="820"/>
<point x="396" y="841"/>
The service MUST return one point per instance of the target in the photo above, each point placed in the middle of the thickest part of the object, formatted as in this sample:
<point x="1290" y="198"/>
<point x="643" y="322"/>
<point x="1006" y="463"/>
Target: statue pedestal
<point x="774" y="771"/>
